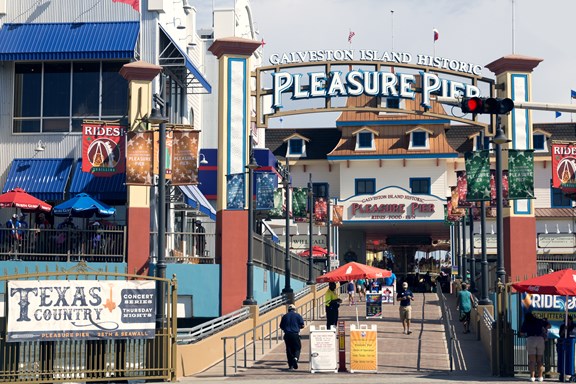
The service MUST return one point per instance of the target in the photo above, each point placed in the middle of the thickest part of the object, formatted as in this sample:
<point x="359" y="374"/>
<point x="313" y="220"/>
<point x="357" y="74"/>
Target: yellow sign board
<point x="363" y="349"/>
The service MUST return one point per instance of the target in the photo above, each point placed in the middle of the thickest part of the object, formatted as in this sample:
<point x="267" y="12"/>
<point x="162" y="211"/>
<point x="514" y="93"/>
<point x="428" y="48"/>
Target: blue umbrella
<point x="83" y="205"/>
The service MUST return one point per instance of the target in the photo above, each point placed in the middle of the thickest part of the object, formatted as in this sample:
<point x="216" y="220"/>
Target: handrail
<point x="447" y="317"/>
<point x="199" y="332"/>
<point x="488" y="319"/>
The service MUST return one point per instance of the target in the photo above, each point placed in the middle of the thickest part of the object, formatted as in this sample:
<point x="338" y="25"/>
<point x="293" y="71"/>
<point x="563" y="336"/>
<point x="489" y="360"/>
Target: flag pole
<point x="392" y="27"/>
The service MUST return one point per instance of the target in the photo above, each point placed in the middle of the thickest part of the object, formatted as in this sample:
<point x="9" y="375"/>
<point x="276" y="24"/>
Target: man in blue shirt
<point x="291" y="324"/>
<point x="390" y="280"/>
<point x="405" y="296"/>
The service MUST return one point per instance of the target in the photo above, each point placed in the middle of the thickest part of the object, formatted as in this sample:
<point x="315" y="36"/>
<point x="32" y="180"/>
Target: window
<point x="420" y="186"/>
<point x="559" y="200"/>
<point x="365" y="186"/>
<point x="393" y="102"/>
<point x="320" y="190"/>
<point x="419" y="140"/>
<point x="57" y="97"/>
<point x="539" y="142"/>
<point x="487" y="143"/>
<point x="296" y="147"/>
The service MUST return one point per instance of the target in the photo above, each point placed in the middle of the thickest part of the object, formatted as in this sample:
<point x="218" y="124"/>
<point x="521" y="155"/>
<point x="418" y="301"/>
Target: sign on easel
<point x="323" y="349"/>
<point x="388" y="294"/>
<point x="363" y="348"/>
<point x="373" y="305"/>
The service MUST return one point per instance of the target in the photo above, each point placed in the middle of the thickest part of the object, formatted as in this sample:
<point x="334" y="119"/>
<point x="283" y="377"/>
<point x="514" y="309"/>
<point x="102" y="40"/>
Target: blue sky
<point x="475" y="32"/>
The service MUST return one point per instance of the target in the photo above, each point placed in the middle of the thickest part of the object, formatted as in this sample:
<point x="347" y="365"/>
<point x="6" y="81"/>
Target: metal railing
<point x="201" y="331"/>
<point x="447" y="320"/>
<point x="102" y="245"/>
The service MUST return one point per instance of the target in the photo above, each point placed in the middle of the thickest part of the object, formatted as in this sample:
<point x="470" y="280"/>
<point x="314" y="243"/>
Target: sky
<point x="476" y="32"/>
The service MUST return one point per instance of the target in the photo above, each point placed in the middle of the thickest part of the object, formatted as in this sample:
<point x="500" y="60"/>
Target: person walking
<point x="291" y="324"/>
<point x="332" y="301"/>
<point x="565" y="333"/>
<point x="361" y="289"/>
<point x="405" y="297"/>
<point x="464" y="304"/>
<point x="536" y="331"/>
<point x="351" y="288"/>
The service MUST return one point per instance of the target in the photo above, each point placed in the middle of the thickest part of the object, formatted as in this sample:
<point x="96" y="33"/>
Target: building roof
<point x="554" y="212"/>
<point x="321" y="141"/>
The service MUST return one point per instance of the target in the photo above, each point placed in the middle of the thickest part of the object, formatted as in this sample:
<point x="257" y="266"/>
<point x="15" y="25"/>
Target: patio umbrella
<point x="317" y="251"/>
<point x="83" y="205"/>
<point x="18" y="198"/>
<point x="353" y="271"/>
<point x="561" y="283"/>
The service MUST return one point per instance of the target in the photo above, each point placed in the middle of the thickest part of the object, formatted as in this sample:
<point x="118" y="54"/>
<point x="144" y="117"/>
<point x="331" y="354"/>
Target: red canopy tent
<point x="18" y="198"/>
<point x="317" y="251"/>
<point x="353" y="271"/>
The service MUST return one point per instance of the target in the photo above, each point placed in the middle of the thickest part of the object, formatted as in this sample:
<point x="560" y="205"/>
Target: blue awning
<point x="194" y="198"/>
<point x="42" y="178"/>
<point x="68" y="41"/>
<point x="102" y="188"/>
<point x="174" y="59"/>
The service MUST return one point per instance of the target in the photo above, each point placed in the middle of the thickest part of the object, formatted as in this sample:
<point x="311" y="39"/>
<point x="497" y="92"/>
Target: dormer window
<point x="419" y="138"/>
<point x="365" y="139"/>
<point x="296" y="146"/>
<point x="540" y="140"/>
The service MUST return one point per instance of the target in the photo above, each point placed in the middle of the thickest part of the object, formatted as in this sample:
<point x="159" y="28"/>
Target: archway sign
<point x="321" y="80"/>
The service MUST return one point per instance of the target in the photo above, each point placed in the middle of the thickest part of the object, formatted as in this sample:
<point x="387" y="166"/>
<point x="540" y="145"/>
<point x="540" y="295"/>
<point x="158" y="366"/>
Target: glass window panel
<point x="56" y="89"/>
<point x="26" y="126"/>
<point x="27" y="90"/>
<point x="418" y="139"/>
<point x="295" y="146"/>
<point x="85" y="89"/>
<point x="320" y="190"/>
<point x="55" y="125"/>
<point x="420" y="186"/>
<point x="365" y="186"/>
<point x="114" y="90"/>
<point x="559" y="199"/>
<point x="538" y="142"/>
<point x="365" y="140"/>
<point x="393" y="102"/>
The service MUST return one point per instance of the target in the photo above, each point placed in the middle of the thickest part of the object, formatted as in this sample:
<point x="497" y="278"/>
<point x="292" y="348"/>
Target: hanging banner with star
<point x="266" y="184"/>
<point x="168" y="154"/>
<point x="235" y="191"/>
<point x="478" y="175"/>
<point x="103" y="148"/>
<point x="139" y="158"/>
<point x="184" y="157"/>
<point x="520" y="174"/>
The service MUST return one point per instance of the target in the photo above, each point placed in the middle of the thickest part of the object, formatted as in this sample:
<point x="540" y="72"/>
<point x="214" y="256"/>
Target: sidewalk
<point x="421" y="357"/>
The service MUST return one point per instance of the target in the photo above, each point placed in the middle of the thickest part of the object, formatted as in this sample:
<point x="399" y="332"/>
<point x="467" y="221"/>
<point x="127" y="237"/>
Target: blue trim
<point x="111" y="188"/>
<point x="395" y="157"/>
<point x="389" y="122"/>
<point x="526" y="117"/>
<point x="364" y="179"/>
<point x="194" y="198"/>
<point x="412" y="179"/>
<point x="391" y="221"/>
<point x="68" y="41"/>
<point x="517" y="211"/>
<point x="45" y="179"/>
<point x="189" y="64"/>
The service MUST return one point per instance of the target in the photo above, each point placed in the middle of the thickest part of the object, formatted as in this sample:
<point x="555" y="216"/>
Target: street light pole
<point x="250" y="264"/>
<point x="484" y="300"/>
<point x="310" y="229"/>
<point x="458" y="253"/>
<point x="472" y="257"/>
<point x="464" y="265"/>
<point x="288" y="291"/>
<point x="328" y="229"/>
<point x="498" y="140"/>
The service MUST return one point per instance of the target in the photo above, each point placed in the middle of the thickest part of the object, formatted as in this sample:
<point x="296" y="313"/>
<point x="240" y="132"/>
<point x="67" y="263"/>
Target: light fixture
<point x="569" y="228"/>
<point x="557" y="228"/>
<point x="202" y="158"/>
<point x="319" y="231"/>
<point x="546" y="228"/>
<point x="179" y="25"/>
<point x="40" y="146"/>
<point x="500" y="137"/>
<point x="155" y="117"/>
<point x="192" y="42"/>
<point x="492" y="229"/>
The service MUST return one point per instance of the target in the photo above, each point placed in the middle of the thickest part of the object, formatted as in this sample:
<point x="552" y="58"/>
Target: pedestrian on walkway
<point x="291" y="324"/>
<point x="332" y="301"/>
<point x="361" y="289"/>
<point x="405" y="297"/>
<point x="536" y="331"/>
<point x="351" y="288"/>
<point x="464" y="304"/>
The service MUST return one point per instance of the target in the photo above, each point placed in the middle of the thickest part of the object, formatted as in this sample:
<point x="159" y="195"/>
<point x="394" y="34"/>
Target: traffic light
<point x="492" y="105"/>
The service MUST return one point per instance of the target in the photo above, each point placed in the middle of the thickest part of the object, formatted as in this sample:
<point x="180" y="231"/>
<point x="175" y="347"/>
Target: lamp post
<point x="310" y="229"/>
<point x="499" y="140"/>
<point x="458" y="253"/>
<point x="472" y="257"/>
<point x="250" y="264"/>
<point x="328" y="247"/>
<point x="158" y="117"/>
<point x="287" y="258"/>
<point x="484" y="300"/>
<point x="464" y="265"/>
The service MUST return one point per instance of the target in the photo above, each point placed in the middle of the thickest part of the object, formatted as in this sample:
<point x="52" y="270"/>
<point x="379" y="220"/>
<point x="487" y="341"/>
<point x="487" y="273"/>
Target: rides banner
<point x="564" y="166"/>
<point x="103" y="148"/>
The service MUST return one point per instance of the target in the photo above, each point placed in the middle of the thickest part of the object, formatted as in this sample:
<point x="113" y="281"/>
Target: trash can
<point x="565" y="349"/>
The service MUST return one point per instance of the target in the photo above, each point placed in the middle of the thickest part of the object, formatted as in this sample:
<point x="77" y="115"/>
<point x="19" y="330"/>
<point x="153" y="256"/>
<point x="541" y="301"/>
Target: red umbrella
<point x="18" y="198"/>
<point x="317" y="251"/>
<point x="353" y="271"/>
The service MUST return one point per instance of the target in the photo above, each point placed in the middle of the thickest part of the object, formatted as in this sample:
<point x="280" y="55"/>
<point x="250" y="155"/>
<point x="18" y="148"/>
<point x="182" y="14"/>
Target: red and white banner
<point x="103" y="149"/>
<point x="563" y="164"/>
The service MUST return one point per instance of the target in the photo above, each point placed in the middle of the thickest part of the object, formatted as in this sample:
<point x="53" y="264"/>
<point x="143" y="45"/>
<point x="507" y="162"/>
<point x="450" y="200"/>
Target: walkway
<point x="421" y="357"/>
